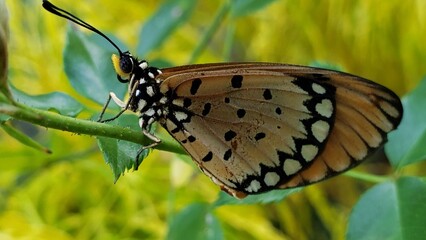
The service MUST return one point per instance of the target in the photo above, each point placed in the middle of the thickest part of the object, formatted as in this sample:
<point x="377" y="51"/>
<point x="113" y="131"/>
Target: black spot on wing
<point x="176" y="130"/>
<point x="241" y="113"/>
<point x="195" y="86"/>
<point x="227" y="155"/>
<point x="278" y="111"/>
<point x="237" y="81"/>
<point x="208" y="157"/>
<point x="229" y="135"/>
<point x="207" y="108"/>
<point x="267" y="95"/>
<point x="191" y="138"/>
<point x="259" y="136"/>
<point x="187" y="102"/>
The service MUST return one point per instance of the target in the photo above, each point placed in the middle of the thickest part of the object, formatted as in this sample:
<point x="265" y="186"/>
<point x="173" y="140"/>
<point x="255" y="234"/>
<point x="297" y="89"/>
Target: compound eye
<point x="126" y="64"/>
<point x="123" y="65"/>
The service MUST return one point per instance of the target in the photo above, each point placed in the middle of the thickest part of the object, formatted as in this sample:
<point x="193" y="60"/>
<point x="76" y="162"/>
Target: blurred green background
<point x="70" y="193"/>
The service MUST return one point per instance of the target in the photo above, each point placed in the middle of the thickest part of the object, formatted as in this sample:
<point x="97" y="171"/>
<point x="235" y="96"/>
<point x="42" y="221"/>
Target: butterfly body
<point x="255" y="127"/>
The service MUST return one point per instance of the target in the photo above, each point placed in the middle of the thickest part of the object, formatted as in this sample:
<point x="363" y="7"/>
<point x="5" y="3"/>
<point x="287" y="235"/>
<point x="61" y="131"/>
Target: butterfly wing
<point x="256" y="127"/>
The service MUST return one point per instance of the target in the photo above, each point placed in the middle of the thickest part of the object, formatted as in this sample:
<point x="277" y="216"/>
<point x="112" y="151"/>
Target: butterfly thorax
<point x="146" y="99"/>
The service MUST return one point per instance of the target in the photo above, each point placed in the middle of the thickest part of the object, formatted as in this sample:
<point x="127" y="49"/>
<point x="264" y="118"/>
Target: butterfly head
<point x="124" y="65"/>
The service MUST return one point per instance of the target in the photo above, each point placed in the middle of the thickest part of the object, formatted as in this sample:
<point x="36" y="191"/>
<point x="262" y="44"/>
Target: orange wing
<point x="254" y="127"/>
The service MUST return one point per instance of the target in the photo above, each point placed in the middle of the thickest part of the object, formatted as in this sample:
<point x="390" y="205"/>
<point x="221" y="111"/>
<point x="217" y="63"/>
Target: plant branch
<point x="79" y="126"/>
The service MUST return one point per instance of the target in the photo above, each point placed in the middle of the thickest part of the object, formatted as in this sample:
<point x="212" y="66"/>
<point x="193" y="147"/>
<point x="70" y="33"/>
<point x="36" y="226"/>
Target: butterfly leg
<point x="119" y="102"/>
<point x="143" y="148"/>
<point x="116" y="100"/>
<point x="123" y="105"/>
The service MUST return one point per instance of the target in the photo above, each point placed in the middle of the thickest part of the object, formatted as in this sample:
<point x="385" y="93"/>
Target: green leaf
<point x="195" y="222"/>
<point x="57" y="101"/>
<point x="120" y="155"/>
<point x="22" y="138"/>
<point x="268" y="197"/>
<point x="4" y="118"/>
<point x="88" y="66"/>
<point x="4" y="36"/>
<point x="407" y="144"/>
<point x="392" y="210"/>
<point x="162" y="24"/>
<point x="241" y="8"/>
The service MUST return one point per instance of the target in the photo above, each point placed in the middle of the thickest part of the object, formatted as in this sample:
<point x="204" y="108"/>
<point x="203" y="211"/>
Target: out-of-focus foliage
<point x="4" y="37"/>
<point x="412" y="129"/>
<point x="70" y="194"/>
<point x="400" y="215"/>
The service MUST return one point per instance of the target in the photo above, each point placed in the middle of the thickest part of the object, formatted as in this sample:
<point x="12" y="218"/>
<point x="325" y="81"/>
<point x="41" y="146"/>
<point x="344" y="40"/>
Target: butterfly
<point x="256" y="127"/>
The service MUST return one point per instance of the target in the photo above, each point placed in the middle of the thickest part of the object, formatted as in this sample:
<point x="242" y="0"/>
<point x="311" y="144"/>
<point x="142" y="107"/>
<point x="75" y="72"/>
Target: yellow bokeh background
<point x="70" y="194"/>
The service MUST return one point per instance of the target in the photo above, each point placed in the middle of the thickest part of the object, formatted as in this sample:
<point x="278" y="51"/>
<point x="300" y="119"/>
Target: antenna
<point x="65" y="14"/>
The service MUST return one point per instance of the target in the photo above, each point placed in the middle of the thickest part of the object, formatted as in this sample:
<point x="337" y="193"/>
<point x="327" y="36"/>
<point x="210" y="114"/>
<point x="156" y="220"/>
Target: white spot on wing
<point x="178" y="102"/>
<point x="163" y="100"/>
<point x="318" y="88"/>
<point x="271" y="179"/>
<point x="180" y="116"/>
<point x="291" y="166"/>
<point x="140" y="122"/>
<point x="320" y="130"/>
<point x="324" y="108"/>
<point x="254" y="186"/>
<point x="137" y="92"/>
<point x="142" y="81"/>
<point x="309" y="152"/>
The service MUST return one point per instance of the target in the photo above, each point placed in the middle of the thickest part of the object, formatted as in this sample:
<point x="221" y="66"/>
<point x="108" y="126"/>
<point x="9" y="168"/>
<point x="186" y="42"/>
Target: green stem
<point x="79" y="126"/>
<point x="24" y="139"/>
<point x="219" y="18"/>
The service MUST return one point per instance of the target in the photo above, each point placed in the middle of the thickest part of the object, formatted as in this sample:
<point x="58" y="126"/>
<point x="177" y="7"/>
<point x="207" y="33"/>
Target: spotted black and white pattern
<point x="257" y="127"/>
